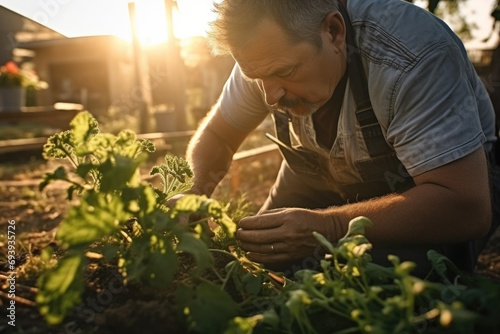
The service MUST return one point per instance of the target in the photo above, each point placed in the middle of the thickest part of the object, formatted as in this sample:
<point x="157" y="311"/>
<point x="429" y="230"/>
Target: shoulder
<point x="397" y="33"/>
<point x="241" y="103"/>
<point x="398" y="41"/>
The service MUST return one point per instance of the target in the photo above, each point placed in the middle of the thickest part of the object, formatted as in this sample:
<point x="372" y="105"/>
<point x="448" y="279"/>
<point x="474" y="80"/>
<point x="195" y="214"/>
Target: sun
<point x="151" y="22"/>
<point x="190" y="18"/>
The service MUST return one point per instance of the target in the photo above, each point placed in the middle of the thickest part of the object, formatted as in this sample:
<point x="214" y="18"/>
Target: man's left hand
<point x="282" y="235"/>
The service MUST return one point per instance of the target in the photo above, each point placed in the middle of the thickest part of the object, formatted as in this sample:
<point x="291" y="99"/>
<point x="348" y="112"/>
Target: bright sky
<point x="110" y="17"/>
<point x="477" y="14"/>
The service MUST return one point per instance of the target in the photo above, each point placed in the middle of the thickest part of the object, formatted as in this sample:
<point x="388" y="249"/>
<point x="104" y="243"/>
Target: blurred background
<point x="145" y="64"/>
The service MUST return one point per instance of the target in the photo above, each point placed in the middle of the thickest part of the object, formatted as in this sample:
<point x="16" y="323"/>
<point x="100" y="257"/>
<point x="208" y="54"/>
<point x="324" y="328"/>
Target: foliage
<point x="351" y="294"/>
<point x="125" y="222"/>
<point x="143" y="236"/>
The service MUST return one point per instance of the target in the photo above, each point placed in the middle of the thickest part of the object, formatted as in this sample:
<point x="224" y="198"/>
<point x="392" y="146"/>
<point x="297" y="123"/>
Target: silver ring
<point x="272" y="248"/>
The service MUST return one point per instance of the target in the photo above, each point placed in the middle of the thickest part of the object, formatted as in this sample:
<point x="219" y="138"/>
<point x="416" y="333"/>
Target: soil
<point x="125" y="310"/>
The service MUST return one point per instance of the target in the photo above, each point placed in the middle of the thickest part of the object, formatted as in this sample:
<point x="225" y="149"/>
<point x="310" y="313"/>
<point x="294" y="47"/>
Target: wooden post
<point x="175" y="70"/>
<point x="142" y="90"/>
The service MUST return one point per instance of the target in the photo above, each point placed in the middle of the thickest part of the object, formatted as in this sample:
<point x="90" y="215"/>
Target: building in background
<point x="94" y="71"/>
<point x="16" y="29"/>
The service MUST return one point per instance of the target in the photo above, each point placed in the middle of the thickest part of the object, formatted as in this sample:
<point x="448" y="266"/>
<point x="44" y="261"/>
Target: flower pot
<point x="11" y="98"/>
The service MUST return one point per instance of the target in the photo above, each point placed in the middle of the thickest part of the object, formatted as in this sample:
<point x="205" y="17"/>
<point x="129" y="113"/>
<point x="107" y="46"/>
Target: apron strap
<point x="370" y="127"/>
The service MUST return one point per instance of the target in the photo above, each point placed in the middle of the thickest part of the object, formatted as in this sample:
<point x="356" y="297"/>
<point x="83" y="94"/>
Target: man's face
<point x="296" y="77"/>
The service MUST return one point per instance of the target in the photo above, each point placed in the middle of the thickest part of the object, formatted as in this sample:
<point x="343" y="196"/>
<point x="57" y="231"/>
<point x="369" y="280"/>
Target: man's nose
<point x="273" y="91"/>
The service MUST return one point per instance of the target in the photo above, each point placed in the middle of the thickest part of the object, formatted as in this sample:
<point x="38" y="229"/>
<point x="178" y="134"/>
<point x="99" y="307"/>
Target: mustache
<point x="284" y="103"/>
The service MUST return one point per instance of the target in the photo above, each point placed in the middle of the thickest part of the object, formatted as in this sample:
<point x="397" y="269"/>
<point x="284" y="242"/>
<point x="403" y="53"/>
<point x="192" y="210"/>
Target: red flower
<point x="11" y="67"/>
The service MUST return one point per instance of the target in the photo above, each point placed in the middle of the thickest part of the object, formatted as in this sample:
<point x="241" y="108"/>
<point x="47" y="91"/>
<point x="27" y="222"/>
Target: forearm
<point x="427" y="214"/>
<point x="210" y="160"/>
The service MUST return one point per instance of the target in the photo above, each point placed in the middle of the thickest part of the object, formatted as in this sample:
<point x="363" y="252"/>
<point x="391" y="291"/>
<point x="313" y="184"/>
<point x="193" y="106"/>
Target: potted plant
<point x="13" y="84"/>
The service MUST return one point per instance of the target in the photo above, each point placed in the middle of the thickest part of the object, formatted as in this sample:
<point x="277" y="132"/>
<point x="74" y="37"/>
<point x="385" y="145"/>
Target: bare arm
<point x="211" y="150"/>
<point x="448" y="204"/>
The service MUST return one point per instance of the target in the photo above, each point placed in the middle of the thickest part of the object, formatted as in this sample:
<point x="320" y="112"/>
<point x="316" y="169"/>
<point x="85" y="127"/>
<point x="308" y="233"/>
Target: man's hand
<point x="282" y="235"/>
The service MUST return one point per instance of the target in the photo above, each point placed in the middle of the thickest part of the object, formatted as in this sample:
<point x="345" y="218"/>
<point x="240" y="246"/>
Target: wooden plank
<point x="175" y="135"/>
<point x="57" y="116"/>
<point x="19" y="145"/>
<point x="27" y="144"/>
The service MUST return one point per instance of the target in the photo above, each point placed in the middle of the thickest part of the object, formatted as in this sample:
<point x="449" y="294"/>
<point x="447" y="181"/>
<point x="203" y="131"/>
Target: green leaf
<point x="161" y="266"/>
<point x="97" y="216"/>
<point x="144" y="196"/>
<point x="298" y="303"/>
<point x="191" y="203"/>
<point x="147" y="146"/>
<point x="60" y="288"/>
<point x="58" y="174"/>
<point x="208" y="309"/>
<point x="176" y="175"/>
<point x="83" y="127"/>
<point x="83" y="170"/>
<point x="441" y="264"/>
<point x="188" y="242"/>
<point x="240" y="325"/>
<point x="358" y="226"/>
<point x="59" y="146"/>
<point x="252" y="283"/>
<point x="218" y="212"/>
<point x="324" y="242"/>
<point x="118" y="173"/>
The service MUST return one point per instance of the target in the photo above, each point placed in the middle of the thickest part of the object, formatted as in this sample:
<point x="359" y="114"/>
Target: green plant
<point x="120" y="217"/>
<point x="123" y="221"/>
<point x="351" y="294"/>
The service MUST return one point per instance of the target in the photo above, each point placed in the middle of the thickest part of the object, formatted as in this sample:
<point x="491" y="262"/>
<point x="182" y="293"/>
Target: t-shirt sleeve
<point x="436" y="118"/>
<point x="242" y="102"/>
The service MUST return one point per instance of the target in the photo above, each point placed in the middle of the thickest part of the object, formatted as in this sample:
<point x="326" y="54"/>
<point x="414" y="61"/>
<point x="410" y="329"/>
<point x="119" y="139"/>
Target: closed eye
<point x="286" y="74"/>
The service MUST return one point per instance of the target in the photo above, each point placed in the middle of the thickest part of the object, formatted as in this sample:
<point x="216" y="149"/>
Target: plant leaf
<point x="209" y="309"/>
<point x="60" y="288"/>
<point x="189" y="243"/>
<point x="83" y="127"/>
<point x="358" y="226"/>
<point x="97" y="216"/>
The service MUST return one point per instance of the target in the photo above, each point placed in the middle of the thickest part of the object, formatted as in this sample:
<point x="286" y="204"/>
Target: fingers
<point x="257" y="236"/>
<point x="266" y="220"/>
<point x="266" y="253"/>
<point x="267" y="249"/>
<point x="271" y="211"/>
<point x="268" y="258"/>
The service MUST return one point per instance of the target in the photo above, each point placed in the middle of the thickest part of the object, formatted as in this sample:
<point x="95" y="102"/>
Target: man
<point x="378" y="113"/>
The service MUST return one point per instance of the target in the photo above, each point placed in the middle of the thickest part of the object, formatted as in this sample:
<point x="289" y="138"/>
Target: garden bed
<point x="110" y="305"/>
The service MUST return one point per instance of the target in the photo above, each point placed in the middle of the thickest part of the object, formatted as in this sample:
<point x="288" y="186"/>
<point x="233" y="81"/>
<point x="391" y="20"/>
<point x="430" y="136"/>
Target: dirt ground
<point x="37" y="216"/>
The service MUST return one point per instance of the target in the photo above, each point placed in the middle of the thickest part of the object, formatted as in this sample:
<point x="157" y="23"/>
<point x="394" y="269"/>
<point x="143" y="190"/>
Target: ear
<point x="334" y="30"/>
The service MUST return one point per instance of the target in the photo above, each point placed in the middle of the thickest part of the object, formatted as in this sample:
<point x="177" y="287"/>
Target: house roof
<point x="16" y="22"/>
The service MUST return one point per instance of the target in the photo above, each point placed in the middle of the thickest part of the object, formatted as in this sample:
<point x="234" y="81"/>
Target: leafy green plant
<point x="125" y="222"/>
<point x="120" y="217"/>
<point x="351" y="294"/>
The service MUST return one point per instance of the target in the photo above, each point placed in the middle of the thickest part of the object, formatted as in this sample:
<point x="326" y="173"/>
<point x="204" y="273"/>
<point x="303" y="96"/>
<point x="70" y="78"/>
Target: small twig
<point x="29" y="289"/>
<point x="19" y="300"/>
<point x="26" y="288"/>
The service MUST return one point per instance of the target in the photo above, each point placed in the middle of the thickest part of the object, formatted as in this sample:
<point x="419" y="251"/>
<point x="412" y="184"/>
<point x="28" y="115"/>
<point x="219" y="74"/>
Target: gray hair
<point x="237" y="20"/>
